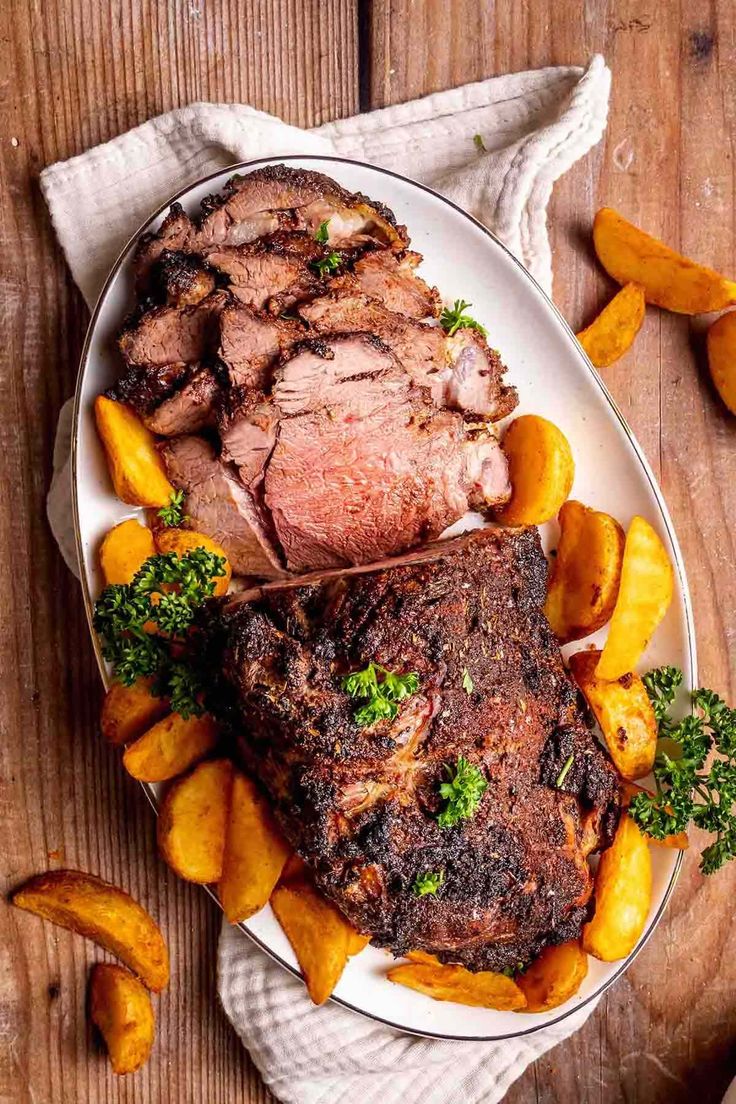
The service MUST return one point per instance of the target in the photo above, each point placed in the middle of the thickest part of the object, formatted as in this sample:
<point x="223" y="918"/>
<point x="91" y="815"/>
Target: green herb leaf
<point x="479" y="143"/>
<point x="468" y="684"/>
<point x="564" y="772"/>
<point x="323" y="234"/>
<point x="173" y="515"/>
<point x="327" y="264"/>
<point x="427" y="883"/>
<point x="463" y="792"/>
<point x="454" y="318"/>
<point x="382" y="689"/>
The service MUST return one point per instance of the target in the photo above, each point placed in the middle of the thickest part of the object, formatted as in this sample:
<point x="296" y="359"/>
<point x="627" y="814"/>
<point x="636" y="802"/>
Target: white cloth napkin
<point x="533" y="127"/>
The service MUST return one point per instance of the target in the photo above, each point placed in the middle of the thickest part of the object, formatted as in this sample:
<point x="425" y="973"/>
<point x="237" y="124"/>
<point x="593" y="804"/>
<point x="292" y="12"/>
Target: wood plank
<point x="76" y="73"/>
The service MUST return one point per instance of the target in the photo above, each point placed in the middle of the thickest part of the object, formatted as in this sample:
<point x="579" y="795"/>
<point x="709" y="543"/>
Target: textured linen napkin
<point x="533" y="127"/>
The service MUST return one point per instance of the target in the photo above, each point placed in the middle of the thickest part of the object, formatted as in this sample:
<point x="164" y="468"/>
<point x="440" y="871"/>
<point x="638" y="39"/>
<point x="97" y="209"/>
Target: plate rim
<point x="633" y="443"/>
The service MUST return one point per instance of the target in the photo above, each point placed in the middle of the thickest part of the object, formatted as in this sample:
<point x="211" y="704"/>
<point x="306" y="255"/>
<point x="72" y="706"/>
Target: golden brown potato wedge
<point x="124" y="550"/>
<point x="192" y="822"/>
<point x="182" y="541"/>
<point x="357" y="942"/>
<point x="121" y="1008"/>
<point x="455" y="983"/>
<point x="586" y="572"/>
<point x="624" y="712"/>
<point x="721" y="341"/>
<point x="678" y="841"/>
<point x="669" y="279"/>
<point x="255" y="852"/>
<point x="319" y="934"/>
<point x="541" y="470"/>
<point x="612" y="333"/>
<point x="103" y="913"/>
<point x="128" y="711"/>
<point x="623" y="895"/>
<point x="136" y="469"/>
<point x="170" y="747"/>
<point x="644" y="595"/>
<point x="554" y="977"/>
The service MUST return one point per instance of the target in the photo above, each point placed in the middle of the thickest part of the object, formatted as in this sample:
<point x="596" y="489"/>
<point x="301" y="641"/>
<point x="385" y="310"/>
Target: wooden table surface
<point x="77" y="72"/>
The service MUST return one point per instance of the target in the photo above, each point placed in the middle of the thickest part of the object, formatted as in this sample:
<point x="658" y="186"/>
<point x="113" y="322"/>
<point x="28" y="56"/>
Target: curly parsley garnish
<point x="427" y="883"/>
<point x="454" y="318"/>
<point x="323" y="234"/>
<point x="463" y="792"/>
<point x="163" y="594"/>
<point x="172" y="515"/>
<point x="328" y="264"/>
<point x="382" y="690"/>
<point x="686" y="792"/>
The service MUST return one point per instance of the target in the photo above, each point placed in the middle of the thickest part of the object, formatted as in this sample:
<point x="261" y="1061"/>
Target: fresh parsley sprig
<point x="463" y="792"/>
<point x="323" y="234"/>
<point x="382" y="690"/>
<point x="172" y="515"/>
<point x="687" y="792"/>
<point x="428" y="883"/>
<point x="454" y="318"/>
<point x="327" y="265"/>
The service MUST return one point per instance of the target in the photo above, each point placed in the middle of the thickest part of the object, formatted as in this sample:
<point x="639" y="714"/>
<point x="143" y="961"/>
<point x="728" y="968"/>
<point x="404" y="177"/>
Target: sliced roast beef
<point x="248" y="429"/>
<point x="179" y="280"/>
<point x="169" y="335"/>
<point x="394" y="282"/>
<point x="145" y="386"/>
<point x="218" y="505"/>
<point x="474" y="380"/>
<point x="250" y="342"/>
<point x="257" y="275"/>
<point x="175" y="233"/>
<point x="190" y="408"/>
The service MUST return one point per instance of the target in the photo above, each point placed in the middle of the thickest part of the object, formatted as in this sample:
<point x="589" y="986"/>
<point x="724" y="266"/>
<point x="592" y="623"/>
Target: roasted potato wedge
<point x="124" y="550"/>
<point x="193" y="819"/>
<point x="455" y="983"/>
<point x="136" y="469"/>
<point x="612" y="333"/>
<point x="121" y="1008"/>
<point x="678" y="841"/>
<point x="721" y="342"/>
<point x="357" y="942"/>
<point x="128" y="711"/>
<point x="255" y="852"/>
<point x="644" y="595"/>
<point x="669" y="279"/>
<point x="541" y="470"/>
<point x="319" y="934"/>
<point x="554" y="977"/>
<point x="623" y="895"/>
<point x="585" y="576"/>
<point x="624" y="712"/>
<point x="103" y="913"/>
<point x="182" y="541"/>
<point x="170" y="747"/>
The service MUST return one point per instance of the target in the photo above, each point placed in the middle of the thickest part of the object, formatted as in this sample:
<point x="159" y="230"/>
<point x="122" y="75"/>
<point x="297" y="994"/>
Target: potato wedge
<point x="678" y="841"/>
<point x="170" y="747"/>
<point x="721" y="343"/>
<point x="644" y="595"/>
<point x="182" y="541"/>
<point x="623" y="894"/>
<point x="585" y="576"/>
<point x="669" y="279"/>
<point x="612" y="333"/>
<point x="103" y="913"/>
<point x="255" y="852"/>
<point x="624" y="712"/>
<point x="124" y="550"/>
<point x="541" y="470"/>
<point x="136" y="469"/>
<point x="357" y="942"/>
<point x="120" y="1007"/>
<point x="128" y="711"/>
<point x="192" y="822"/>
<point x="319" y="934"/>
<point x="455" y="983"/>
<point x="554" y="977"/>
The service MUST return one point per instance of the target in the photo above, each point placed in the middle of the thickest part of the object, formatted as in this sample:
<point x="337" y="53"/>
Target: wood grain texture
<point x="75" y="73"/>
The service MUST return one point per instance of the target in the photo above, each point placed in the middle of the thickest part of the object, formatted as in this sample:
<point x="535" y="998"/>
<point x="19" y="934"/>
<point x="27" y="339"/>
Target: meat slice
<point x="257" y="275"/>
<point x="364" y="465"/>
<point x="361" y="804"/>
<point x="219" y="506"/>
<point x="190" y="408"/>
<point x="251" y="341"/>
<point x="145" y="386"/>
<point x="248" y="430"/>
<point x="169" y="335"/>
<point x="393" y="281"/>
<point x="175" y="234"/>
<point x="179" y="280"/>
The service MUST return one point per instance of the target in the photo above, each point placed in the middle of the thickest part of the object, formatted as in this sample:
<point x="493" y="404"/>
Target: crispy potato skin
<point x="319" y="934"/>
<point x="124" y="550"/>
<point x="585" y="575"/>
<point x="612" y="333"/>
<point x="644" y="596"/>
<point x="669" y="279"/>
<point x="454" y="983"/>
<point x="541" y="470"/>
<point x="127" y="711"/>
<point x="136" y="469"/>
<point x="182" y="541"/>
<point x="121" y="1008"/>
<point x="170" y="747"/>
<point x="721" y="342"/>
<point x="255" y="852"/>
<point x="623" y="894"/>
<point x="624" y="712"/>
<point x="192" y="822"/>
<point x="103" y="913"/>
<point x="554" y="977"/>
